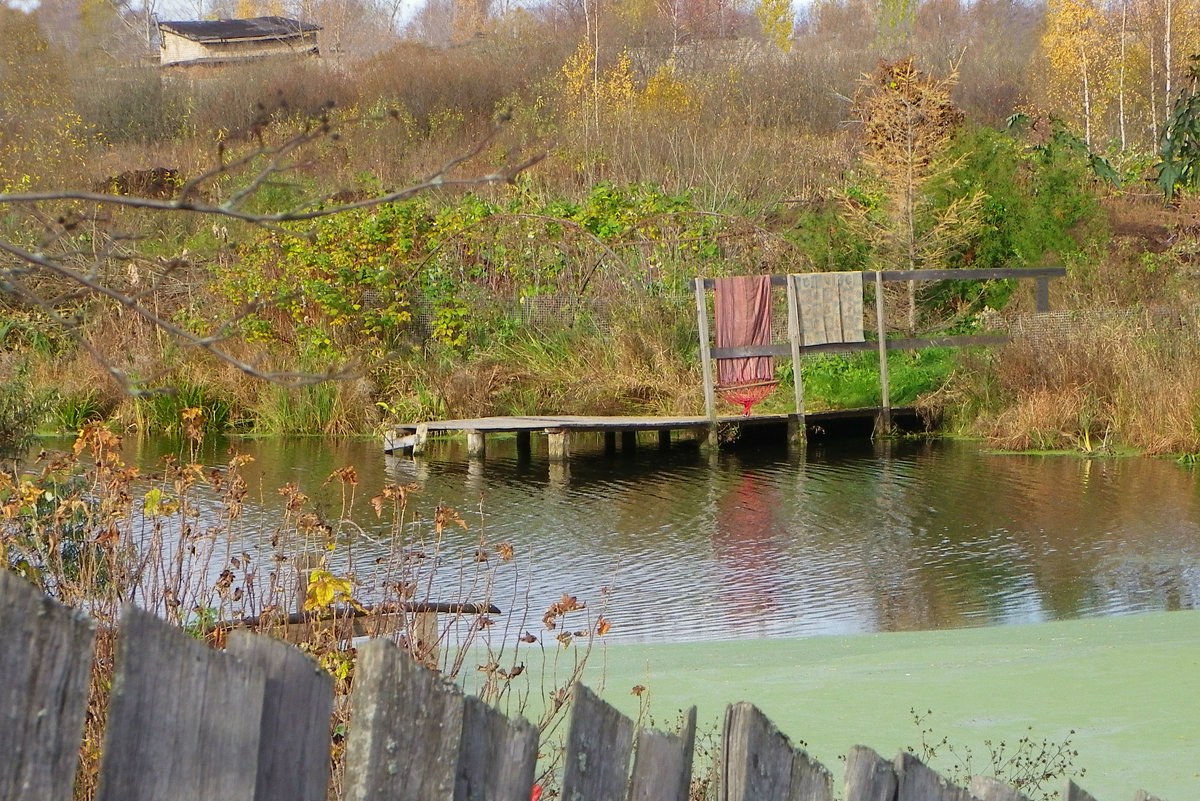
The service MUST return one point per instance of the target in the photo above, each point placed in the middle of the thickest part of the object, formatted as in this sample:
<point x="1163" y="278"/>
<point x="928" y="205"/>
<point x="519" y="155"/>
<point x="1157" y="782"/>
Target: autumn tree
<point x="906" y="123"/>
<point x="1078" y="49"/>
<point x="777" y="21"/>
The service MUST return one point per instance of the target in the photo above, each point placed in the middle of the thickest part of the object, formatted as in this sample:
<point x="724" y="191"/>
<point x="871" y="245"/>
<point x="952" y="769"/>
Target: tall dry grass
<point x="1113" y="386"/>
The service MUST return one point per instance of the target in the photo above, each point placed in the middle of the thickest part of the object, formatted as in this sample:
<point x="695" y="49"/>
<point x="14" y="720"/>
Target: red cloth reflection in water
<point x="745" y="547"/>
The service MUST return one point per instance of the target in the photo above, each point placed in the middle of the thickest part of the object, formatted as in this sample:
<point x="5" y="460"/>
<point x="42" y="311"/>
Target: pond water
<point x="692" y="545"/>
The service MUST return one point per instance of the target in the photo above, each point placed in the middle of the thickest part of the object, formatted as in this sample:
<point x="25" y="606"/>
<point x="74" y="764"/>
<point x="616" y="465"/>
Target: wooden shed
<point x="220" y="41"/>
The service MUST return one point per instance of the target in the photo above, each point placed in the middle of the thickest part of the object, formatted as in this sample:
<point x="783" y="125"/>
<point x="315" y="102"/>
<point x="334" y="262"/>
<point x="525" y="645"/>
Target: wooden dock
<point x="414" y="438"/>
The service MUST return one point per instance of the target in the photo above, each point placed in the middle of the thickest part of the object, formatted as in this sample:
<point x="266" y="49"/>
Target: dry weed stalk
<point x="186" y="544"/>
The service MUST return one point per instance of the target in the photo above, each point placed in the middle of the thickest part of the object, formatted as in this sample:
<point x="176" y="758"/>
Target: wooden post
<point x="497" y="758"/>
<point x="710" y="399"/>
<point x="1076" y="793"/>
<point x="628" y="441"/>
<point x="45" y="666"/>
<point x="758" y="762"/>
<point x="664" y="439"/>
<point x="662" y="769"/>
<point x="796" y="432"/>
<point x="989" y="788"/>
<point x="559" y="440"/>
<point x="916" y="782"/>
<point x="883" y="424"/>
<point x="424" y="637"/>
<point x="869" y="777"/>
<point x="183" y="720"/>
<point x="523" y="445"/>
<point x="293" y="749"/>
<point x="1043" y="293"/>
<point x="408" y="727"/>
<point x="599" y="743"/>
<point x="420" y="439"/>
<point x="476" y="444"/>
<point x="610" y="442"/>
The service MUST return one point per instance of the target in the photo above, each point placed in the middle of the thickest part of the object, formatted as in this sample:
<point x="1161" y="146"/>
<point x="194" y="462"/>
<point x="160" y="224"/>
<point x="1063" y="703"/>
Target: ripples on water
<point x="848" y="538"/>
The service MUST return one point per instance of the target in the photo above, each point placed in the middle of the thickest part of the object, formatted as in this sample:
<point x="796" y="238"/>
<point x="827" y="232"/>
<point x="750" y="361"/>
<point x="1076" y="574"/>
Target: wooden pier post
<point x="559" y="441"/>
<point x="476" y="444"/>
<point x="883" y="423"/>
<point x="710" y="397"/>
<point x="421" y="439"/>
<point x="628" y="442"/>
<point x="610" y="442"/>
<point x="524" y="447"/>
<point x="798" y="432"/>
<point x="664" y="439"/>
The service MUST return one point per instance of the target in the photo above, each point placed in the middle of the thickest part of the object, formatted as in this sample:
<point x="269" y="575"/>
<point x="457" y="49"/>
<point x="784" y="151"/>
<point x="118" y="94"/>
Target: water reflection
<point x="843" y="538"/>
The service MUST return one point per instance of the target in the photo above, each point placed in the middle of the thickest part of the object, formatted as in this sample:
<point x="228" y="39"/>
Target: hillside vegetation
<point x="680" y="139"/>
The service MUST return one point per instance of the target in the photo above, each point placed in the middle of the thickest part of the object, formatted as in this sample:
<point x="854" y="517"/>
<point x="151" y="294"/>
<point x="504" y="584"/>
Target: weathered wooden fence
<point x="189" y="723"/>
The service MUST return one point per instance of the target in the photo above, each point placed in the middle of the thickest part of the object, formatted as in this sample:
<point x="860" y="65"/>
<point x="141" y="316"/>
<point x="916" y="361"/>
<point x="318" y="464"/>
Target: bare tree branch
<point x="56" y="273"/>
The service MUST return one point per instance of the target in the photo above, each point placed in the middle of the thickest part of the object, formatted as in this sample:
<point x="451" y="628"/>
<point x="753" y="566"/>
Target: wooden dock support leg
<point x="524" y="447"/>
<point x="883" y="422"/>
<point x="610" y="442"/>
<point x="560" y="445"/>
<point x="712" y="438"/>
<point x="476" y="444"/>
<point x="421" y="441"/>
<point x="628" y="441"/>
<point x="796" y="433"/>
<point x="664" y="439"/>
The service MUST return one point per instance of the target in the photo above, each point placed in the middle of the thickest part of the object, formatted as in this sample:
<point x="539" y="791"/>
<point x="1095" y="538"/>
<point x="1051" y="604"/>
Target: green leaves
<point x="1180" y="165"/>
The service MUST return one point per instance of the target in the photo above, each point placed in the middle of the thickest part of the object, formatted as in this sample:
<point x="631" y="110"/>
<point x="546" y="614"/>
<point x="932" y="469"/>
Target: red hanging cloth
<point x="743" y="317"/>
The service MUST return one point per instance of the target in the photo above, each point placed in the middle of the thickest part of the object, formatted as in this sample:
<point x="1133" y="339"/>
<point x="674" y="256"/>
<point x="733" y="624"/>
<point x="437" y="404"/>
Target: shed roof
<point x="221" y="30"/>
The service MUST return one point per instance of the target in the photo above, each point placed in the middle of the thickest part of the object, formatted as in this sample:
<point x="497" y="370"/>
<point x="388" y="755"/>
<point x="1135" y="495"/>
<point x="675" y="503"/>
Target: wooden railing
<point x="186" y="722"/>
<point x="795" y="347"/>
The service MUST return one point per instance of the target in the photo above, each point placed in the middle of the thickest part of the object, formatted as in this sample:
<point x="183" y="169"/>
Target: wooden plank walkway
<point x="414" y="437"/>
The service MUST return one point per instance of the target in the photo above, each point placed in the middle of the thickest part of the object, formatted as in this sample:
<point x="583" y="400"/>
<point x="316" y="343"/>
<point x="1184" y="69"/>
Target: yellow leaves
<point x="666" y="93"/>
<point x="616" y="88"/>
<point x="777" y="21"/>
<point x="156" y="504"/>
<point x="324" y="589"/>
<point x="576" y="73"/>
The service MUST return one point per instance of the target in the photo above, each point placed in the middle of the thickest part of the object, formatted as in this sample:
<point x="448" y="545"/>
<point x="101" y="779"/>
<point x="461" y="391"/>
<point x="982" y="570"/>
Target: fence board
<point x="293" y="750"/>
<point x="869" y="777"/>
<point x="989" y="788"/>
<point x="599" y="743"/>
<point x="406" y="731"/>
<point x="45" y="666"/>
<point x="1076" y="793"/>
<point x="183" y="719"/>
<point x="497" y="758"/>
<point x="662" y="767"/>
<point x="758" y="762"/>
<point x="917" y="782"/>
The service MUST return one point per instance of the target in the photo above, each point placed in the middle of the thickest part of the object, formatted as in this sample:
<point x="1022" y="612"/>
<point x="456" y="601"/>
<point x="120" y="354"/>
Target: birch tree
<point x="1078" y="53"/>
